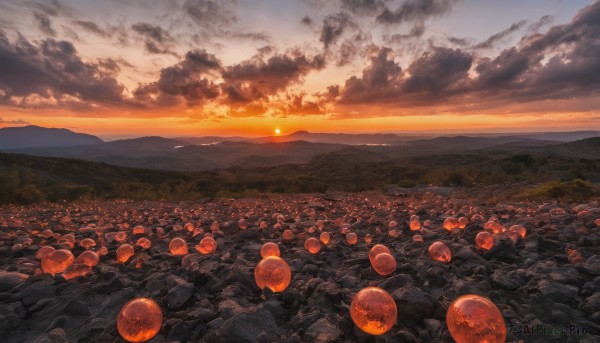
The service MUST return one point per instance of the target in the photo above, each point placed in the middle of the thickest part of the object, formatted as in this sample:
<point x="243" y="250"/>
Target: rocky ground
<point x="214" y="298"/>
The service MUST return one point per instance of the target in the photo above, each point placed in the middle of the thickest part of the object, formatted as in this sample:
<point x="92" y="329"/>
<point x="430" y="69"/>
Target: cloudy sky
<point x="199" y="67"/>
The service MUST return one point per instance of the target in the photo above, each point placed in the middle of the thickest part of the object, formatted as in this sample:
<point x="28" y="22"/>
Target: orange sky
<point x="249" y="67"/>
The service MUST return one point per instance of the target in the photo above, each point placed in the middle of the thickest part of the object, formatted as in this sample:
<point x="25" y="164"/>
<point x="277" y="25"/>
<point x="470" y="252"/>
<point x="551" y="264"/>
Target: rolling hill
<point x="36" y="136"/>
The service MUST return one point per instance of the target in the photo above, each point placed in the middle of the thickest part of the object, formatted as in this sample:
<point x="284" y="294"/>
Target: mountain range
<point x="212" y="152"/>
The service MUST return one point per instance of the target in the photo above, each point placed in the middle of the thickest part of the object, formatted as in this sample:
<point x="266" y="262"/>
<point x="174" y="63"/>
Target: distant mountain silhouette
<point x="36" y="136"/>
<point x="337" y="138"/>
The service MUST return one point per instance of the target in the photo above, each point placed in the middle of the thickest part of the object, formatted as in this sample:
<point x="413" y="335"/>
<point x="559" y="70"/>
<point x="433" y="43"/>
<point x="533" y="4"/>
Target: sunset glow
<point x="236" y="68"/>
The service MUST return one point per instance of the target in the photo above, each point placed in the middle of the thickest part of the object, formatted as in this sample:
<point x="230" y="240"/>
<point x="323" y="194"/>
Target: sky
<point x="121" y="68"/>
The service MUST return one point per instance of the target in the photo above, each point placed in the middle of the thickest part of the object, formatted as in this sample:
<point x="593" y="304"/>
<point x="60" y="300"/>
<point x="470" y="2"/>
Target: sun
<point x="277" y="131"/>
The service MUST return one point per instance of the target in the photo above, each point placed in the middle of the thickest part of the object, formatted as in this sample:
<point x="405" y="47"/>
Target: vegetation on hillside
<point x="27" y="179"/>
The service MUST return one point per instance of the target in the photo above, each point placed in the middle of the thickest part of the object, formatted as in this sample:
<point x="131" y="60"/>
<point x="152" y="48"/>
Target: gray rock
<point x="416" y="305"/>
<point x="10" y="280"/>
<point x="179" y="295"/>
<point x="558" y="292"/>
<point x="323" y="331"/>
<point x="246" y="327"/>
<point x="36" y="292"/>
<point x="57" y="335"/>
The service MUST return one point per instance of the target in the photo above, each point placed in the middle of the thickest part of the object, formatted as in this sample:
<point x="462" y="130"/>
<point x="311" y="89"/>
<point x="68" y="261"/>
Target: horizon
<point x="247" y="68"/>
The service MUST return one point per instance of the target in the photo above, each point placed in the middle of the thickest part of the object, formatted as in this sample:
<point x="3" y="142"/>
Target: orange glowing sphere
<point x="439" y="251"/>
<point x="103" y="251"/>
<point x="76" y="270"/>
<point x="89" y="258"/>
<point x="269" y="249"/>
<point x="273" y="272"/>
<point x="494" y="226"/>
<point x="189" y="227"/>
<point x="393" y="223"/>
<point x="368" y="238"/>
<point x="178" y="246"/>
<point x="243" y="224"/>
<point x="47" y="233"/>
<point x="143" y="243"/>
<point x="120" y="236"/>
<point x="384" y="264"/>
<point x="484" y="240"/>
<point x="518" y="229"/>
<point x="344" y="230"/>
<point x="312" y="245"/>
<point x="139" y="320"/>
<point x="57" y="261"/>
<point x="68" y="238"/>
<point x="462" y="222"/>
<point x="87" y="243"/>
<point x="597" y="222"/>
<point x="450" y="223"/>
<point x="415" y="225"/>
<point x="373" y="310"/>
<point x="473" y="318"/>
<point x="138" y="230"/>
<point x="43" y="251"/>
<point x="207" y="246"/>
<point x="288" y="235"/>
<point x="393" y="233"/>
<point x="262" y="225"/>
<point x="124" y="253"/>
<point x="376" y="250"/>
<point x="351" y="238"/>
<point x="325" y="237"/>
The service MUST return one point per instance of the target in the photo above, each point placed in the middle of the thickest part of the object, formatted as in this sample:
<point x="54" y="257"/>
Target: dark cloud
<point x="297" y="105"/>
<point x="415" y="10"/>
<point x="156" y="39"/>
<point x="363" y="6"/>
<point x="563" y="63"/>
<point x="495" y="38"/>
<point x="92" y="27"/>
<point x="44" y="24"/>
<point x="207" y="12"/>
<point x="257" y="78"/>
<point x="54" y="72"/>
<point x="306" y="20"/>
<point x="415" y="32"/>
<point x="545" y="20"/>
<point x="188" y="80"/>
<point x="52" y="7"/>
<point x="459" y="41"/>
<point x="334" y="26"/>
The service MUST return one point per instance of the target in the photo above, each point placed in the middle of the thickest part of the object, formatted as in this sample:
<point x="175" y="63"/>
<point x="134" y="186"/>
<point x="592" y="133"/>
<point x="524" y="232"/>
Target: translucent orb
<point x="324" y="237"/>
<point x="138" y="230"/>
<point x="89" y="258"/>
<point x="243" y="224"/>
<point x="288" y="235"/>
<point x="76" y="270"/>
<point x="273" y="272"/>
<point x="462" y="222"/>
<point x="384" y="264"/>
<point x="518" y="229"/>
<point x="450" y="223"/>
<point x="139" y="320"/>
<point x="473" y="318"/>
<point x="373" y="310"/>
<point x="494" y="226"/>
<point x="484" y="240"/>
<point x="439" y="251"/>
<point x="269" y="249"/>
<point x="120" y="236"/>
<point x="124" y="253"/>
<point x="415" y="225"/>
<point x="57" y="261"/>
<point x="178" y="246"/>
<point x="376" y="250"/>
<point x="393" y="223"/>
<point x="143" y="243"/>
<point x="43" y="251"/>
<point x="262" y="225"/>
<point x="351" y="238"/>
<point x="368" y="238"/>
<point x="189" y="227"/>
<point x="597" y="222"/>
<point x="103" y="251"/>
<point x="393" y="233"/>
<point x="312" y="245"/>
<point x="207" y="246"/>
<point x="87" y="243"/>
